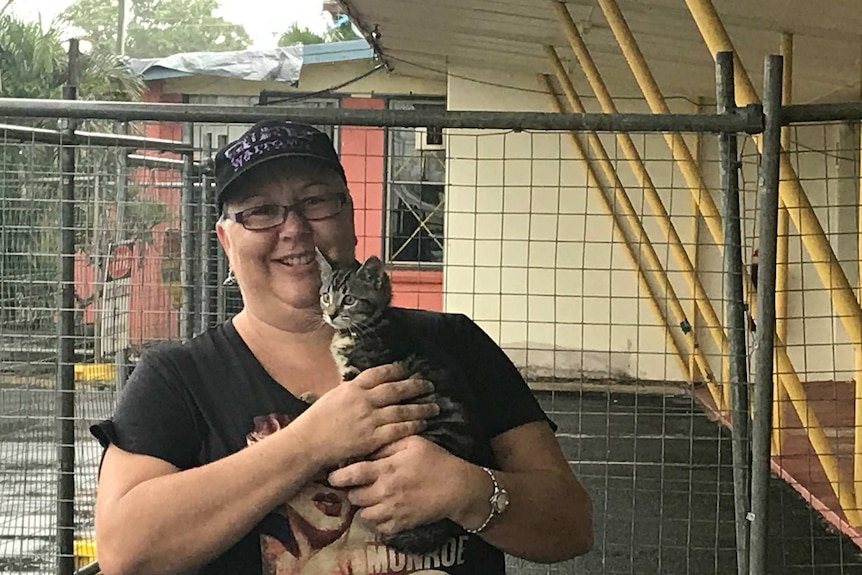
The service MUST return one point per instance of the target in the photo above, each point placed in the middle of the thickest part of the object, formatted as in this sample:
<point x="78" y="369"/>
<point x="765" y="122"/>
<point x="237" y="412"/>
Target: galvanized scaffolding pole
<point x="206" y="240"/>
<point x="814" y="240"/>
<point x="65" y="430"/>
<point x="768" y="223"/>
<point x="734" y="310"/>
<point x="748" y="119"/>
<point x="221" y="263"/>
<point x="188" y="324"/>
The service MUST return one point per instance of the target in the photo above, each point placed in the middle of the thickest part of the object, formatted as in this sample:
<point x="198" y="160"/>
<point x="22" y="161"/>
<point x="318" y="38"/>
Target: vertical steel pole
<point x="121" y="28"/>
<point x="734" y="309"/>
<point x="766" y="280"/>
<point x="121" y="359"/>
<point x="207" y="245"/>
<point x="187" y="245"/>
<point x="221" y="264"/>
<point x="65" y="431"/>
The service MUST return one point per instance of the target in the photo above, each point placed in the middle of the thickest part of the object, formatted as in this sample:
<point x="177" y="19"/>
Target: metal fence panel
<point x="551" y="241"/>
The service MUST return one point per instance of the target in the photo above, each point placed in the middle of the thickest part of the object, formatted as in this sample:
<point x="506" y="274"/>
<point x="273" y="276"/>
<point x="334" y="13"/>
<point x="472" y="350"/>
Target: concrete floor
<point x="659" y="473"/>
<point x="660" y="476"/>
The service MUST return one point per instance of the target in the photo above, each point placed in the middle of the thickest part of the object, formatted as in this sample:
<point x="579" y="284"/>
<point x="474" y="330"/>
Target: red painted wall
<point x="362" y="152"/>
<point x="154" y="313"/>
<point x="417" y="289"/>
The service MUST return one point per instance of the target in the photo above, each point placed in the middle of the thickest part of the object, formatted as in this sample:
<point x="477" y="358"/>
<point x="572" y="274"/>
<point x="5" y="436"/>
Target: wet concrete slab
<point x="660" y="475"/>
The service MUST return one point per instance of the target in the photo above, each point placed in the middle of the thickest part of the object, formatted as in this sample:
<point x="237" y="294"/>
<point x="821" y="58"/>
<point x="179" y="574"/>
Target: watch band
<point x="493" y="513"/>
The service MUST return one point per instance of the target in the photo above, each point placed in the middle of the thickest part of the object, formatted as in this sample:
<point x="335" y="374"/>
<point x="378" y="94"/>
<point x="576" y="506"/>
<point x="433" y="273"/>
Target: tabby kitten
<point x="355" y="301"/>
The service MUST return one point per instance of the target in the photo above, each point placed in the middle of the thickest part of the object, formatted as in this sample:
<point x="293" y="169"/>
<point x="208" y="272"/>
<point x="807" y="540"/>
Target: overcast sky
<point x="264" y="22"/>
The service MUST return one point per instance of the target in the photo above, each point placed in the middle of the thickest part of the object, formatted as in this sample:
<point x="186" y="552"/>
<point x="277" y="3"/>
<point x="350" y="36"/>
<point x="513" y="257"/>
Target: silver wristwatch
<point x="499" y="502"/>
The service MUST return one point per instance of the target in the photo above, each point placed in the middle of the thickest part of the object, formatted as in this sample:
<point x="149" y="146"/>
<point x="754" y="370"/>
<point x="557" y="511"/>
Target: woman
<point x="179" y="487"/>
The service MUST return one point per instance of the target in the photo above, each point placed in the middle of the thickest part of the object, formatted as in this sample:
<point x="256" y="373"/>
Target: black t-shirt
<point x="196" y="402"/>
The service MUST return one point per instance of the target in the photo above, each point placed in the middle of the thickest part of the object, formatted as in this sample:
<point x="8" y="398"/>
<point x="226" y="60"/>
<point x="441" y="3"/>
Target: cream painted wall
<point x="532" y="255"/>
<point x="313" y="78"/>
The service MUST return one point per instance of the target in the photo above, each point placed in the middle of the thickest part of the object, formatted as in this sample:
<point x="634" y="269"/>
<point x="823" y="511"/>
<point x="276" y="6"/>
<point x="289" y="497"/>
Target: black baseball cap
<point x="269" y="140"/>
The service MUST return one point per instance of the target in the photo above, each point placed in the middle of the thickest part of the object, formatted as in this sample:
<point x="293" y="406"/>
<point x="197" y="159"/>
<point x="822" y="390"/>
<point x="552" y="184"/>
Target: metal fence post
<point x="207" y="239"/>
<point x="221" y="263"/>
<point x="768" y="222"/>
<point x="187" y="243"/>
<point x="734" y="309"/>
<point x="65" y="431"/>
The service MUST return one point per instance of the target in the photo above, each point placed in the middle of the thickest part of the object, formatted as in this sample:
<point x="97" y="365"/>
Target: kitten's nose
<point x="331" y="311"/>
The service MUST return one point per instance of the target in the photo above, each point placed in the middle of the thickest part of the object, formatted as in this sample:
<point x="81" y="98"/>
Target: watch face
<point x="500" y="502"/>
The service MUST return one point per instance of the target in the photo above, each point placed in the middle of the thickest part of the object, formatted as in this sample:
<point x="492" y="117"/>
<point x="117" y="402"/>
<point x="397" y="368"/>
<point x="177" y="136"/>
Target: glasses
<point x="311" y="209"/>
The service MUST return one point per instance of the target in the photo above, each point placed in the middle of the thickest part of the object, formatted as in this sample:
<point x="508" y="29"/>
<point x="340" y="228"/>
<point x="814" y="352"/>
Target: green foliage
<point x="157" y="28"/>
<point x="297" y="35"/>
<point x="32" y="61"/>
<point x="33" y="64"/>
<point x="341" y="33"/>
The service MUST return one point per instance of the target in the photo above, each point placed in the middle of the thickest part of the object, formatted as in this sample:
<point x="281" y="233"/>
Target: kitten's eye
<point x="348" y="300"/>
<point x="325" y="298"/>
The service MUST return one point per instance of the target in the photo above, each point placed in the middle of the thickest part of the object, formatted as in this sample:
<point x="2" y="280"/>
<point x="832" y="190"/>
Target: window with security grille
<point x="415" y="190"/>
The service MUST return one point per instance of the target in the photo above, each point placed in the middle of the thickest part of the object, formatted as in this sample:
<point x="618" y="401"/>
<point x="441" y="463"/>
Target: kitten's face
<point x="352" y="296"/>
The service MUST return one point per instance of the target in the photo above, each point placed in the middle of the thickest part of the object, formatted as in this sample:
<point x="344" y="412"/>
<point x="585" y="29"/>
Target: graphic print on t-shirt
<point x="315" y="533"/>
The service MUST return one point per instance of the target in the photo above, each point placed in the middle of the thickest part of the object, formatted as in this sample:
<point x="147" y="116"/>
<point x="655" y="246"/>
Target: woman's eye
<point x="266" y="210"/>
<point x="313" y="200"/>
<point x="348" y="300"/>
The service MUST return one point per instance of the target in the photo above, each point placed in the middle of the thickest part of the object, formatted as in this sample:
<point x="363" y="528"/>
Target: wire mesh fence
<point x="591" y="259"/>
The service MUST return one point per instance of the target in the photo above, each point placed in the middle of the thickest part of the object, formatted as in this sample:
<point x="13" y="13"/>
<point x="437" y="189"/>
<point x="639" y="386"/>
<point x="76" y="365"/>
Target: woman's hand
<point x="407" y="483"/>
<point x="360" y="416"/>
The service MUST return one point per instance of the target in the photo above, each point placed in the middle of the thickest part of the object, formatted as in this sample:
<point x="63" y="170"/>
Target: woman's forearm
<point x="182" y="520"/>
<point x="549" y="517"/>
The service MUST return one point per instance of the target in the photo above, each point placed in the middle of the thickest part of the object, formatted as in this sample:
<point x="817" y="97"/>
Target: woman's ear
<point x="223" y="238"/>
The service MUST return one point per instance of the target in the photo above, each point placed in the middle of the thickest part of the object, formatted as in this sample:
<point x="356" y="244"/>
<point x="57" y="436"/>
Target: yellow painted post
<point x="857" y="452"/>
<point x="799" y="208"/>
<point x="678" y="147"/>
<point x="782" y="252"/>
<point x="650" y="192"/>
<point x="630" y="248"/>
<point x="630" y="215"/>
<point x="801" y="214"/>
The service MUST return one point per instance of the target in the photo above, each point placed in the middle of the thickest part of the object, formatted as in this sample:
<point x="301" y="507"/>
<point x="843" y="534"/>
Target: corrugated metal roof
<point x="508" y="36"/>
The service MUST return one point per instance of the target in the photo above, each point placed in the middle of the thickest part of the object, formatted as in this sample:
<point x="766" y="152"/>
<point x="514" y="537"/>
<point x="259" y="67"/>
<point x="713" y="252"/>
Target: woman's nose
<point x="294" y="225"/>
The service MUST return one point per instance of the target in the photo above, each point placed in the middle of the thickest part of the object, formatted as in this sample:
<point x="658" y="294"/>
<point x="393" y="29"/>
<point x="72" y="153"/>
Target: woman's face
<point x="275" y="267"/>
<point x="323" y="509"/>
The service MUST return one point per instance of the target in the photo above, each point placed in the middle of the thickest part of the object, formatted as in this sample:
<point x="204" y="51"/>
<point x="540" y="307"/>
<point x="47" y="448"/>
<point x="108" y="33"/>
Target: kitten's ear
<point x="325" y="267"/>
<point x="373" y="271"/>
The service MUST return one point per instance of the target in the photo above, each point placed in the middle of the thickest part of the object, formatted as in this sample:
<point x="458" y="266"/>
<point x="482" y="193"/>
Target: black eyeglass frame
<point x="297" y="207"/>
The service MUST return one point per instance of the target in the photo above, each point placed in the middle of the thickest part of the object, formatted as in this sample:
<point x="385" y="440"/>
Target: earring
<point x="230" y="280"/>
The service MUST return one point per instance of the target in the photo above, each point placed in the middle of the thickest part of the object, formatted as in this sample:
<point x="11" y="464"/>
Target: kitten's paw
<point x="308" y="397"/>
<point x="349" y="373"/>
